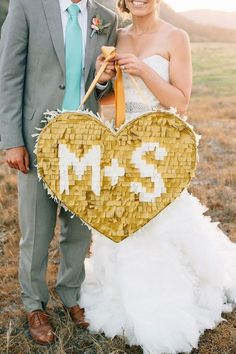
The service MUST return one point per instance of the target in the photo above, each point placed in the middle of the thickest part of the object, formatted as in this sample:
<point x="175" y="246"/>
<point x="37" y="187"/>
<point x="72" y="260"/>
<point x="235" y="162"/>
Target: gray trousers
<point x="37" y="215"/>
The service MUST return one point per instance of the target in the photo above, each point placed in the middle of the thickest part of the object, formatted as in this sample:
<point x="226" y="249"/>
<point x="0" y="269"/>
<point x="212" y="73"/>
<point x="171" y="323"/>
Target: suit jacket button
<point x="62" y="87"/>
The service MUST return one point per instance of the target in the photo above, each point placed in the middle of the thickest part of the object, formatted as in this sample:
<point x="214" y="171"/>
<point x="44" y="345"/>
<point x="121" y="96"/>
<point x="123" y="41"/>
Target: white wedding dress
<point x="162" y="287"/>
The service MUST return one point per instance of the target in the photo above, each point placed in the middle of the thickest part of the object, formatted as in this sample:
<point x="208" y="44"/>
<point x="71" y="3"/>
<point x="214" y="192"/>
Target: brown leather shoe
<point x="39" y="327"/>
<point x="77" y="316"/>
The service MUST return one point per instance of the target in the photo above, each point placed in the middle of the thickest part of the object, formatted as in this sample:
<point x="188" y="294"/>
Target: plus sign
<point x="114" y="171"/>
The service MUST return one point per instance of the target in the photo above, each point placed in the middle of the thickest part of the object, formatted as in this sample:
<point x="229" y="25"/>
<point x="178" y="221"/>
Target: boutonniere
<point x="97" y="26"/>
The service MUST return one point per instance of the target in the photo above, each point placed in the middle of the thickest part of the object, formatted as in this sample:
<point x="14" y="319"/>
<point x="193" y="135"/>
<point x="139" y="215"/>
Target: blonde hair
<point x="122" y="6"/>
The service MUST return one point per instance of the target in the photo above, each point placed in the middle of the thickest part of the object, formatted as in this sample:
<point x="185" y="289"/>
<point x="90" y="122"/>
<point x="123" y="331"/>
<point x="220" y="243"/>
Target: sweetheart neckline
<point x="155" y="55"/>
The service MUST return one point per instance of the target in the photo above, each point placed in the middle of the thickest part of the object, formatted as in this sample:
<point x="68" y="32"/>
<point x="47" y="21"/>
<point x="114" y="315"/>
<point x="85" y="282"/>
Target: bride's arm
<point x="175" y="93"/>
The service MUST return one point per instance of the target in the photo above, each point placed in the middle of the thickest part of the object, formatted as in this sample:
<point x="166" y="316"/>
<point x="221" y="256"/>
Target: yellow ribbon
<point x="109" y="53"/>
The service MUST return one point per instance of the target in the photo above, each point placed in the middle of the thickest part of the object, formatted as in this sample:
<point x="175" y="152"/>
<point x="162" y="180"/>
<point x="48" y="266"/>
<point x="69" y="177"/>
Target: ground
<point x="213" y="114"/>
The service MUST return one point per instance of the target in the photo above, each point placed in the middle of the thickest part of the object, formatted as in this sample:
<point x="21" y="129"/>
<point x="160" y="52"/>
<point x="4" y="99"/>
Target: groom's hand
<point x="18" y="158"/>
<point x="109" y="73"/>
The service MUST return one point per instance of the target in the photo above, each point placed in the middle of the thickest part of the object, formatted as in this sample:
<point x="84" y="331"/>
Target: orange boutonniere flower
<point x="97" y="26"/>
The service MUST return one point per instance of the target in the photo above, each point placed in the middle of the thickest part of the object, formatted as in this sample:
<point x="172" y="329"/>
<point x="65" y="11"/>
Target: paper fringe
<point x="51" y="117"/>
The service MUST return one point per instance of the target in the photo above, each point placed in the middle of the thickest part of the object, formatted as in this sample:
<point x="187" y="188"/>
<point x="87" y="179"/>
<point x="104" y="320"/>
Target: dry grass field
<point x="213" y="113"/>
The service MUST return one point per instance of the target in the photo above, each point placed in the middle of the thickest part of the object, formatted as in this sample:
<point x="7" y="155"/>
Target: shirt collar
<point x="64" y="4"/>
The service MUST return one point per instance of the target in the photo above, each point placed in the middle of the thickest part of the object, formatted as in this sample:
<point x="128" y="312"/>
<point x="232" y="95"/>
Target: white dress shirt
<point x="83" y="22"/>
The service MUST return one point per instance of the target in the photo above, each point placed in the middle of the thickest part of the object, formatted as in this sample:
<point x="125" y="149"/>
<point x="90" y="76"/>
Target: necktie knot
<point x="73" y="10"/>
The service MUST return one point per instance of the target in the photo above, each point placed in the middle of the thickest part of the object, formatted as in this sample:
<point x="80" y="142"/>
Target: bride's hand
<point x="130" y="64"/>
<point x="109" y="73"/>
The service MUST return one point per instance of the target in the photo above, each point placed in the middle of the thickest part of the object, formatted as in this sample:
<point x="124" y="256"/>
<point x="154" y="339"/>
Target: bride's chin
<point x="140" y="13"/>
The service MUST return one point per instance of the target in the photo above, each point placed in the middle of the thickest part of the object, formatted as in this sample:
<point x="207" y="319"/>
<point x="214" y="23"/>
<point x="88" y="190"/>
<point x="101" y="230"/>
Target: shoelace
<point x="38" y="318"/>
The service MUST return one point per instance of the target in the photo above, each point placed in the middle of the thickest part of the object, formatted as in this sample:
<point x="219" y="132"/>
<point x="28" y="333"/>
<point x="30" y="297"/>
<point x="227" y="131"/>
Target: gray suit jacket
<point x="32" y="65"/>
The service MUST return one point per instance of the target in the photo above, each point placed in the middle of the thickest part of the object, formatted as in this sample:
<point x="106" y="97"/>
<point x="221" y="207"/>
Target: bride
<point x="162" y="287"/>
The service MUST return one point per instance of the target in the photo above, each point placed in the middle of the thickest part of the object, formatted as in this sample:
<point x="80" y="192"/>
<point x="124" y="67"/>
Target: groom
<point x="47" y="61"/>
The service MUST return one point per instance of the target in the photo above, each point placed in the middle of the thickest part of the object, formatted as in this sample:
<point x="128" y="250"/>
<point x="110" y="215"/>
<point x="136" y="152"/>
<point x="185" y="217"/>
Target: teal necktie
<point x="73" y="60"/>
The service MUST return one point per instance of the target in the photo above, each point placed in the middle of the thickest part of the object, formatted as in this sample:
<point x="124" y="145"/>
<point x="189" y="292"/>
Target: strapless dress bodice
<point x="139" y="99"/>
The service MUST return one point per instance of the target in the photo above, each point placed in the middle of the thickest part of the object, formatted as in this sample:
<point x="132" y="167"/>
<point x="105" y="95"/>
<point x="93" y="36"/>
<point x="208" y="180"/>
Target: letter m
<point x="91" y="159"/>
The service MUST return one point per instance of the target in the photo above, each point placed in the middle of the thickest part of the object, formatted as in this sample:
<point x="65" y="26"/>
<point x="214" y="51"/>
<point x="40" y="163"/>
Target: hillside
<point x="197" y="32"/>
<point x="215" y="18"/>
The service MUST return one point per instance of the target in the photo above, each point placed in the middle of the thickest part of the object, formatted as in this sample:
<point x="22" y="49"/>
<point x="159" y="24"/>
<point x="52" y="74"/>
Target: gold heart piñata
<point x="116" y="182"/>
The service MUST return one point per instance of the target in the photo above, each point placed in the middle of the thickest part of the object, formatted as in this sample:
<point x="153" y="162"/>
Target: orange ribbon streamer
<point x="119" y="98"/>
<point x="109" y="53"/>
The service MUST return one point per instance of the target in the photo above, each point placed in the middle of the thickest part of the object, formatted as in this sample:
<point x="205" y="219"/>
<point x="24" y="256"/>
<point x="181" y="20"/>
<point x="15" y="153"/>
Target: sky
<point x="183" y="5"/>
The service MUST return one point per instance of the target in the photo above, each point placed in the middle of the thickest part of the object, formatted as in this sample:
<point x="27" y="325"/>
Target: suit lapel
<point x="90" y="42"/>
<point x="53" y="16"/>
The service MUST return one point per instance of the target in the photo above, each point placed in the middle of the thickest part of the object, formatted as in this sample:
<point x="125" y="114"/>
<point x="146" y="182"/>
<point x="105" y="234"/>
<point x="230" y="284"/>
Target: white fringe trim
<point x="50" y="115"/>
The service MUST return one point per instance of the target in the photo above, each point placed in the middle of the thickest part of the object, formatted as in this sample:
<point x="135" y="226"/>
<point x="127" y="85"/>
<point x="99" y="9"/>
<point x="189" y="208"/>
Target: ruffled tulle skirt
<point x="162" y="287"/>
